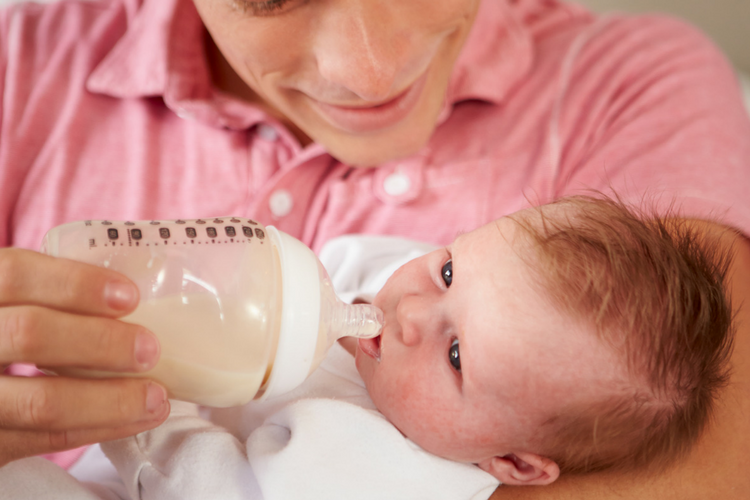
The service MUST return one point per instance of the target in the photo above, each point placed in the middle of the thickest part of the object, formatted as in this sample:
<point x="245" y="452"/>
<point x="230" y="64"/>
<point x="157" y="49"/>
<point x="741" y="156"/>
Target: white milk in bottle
<point x="241" y="311"/>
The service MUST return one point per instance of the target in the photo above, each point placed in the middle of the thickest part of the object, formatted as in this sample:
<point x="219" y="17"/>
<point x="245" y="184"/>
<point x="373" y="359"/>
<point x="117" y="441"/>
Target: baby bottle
<point x="242" y="311"/>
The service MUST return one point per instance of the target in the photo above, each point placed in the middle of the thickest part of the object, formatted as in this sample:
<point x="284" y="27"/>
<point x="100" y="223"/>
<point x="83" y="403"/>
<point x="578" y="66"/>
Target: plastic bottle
<point x="241" y="311"/>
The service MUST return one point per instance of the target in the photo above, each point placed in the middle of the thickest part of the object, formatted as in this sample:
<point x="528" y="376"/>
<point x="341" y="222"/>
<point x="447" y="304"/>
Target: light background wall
<point x="727" y="21"/>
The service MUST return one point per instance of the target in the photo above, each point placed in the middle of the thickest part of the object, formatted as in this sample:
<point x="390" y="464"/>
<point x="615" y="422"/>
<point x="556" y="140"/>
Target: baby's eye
<point x="447" y="273"/>
<point x="453" y="356"/>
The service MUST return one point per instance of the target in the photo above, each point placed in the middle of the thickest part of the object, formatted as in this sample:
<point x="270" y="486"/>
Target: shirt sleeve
<point x="653" y="111"/>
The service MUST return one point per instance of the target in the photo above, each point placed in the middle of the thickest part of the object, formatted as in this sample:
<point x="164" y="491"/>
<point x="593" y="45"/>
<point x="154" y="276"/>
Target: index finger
<point x="32" y="278"/>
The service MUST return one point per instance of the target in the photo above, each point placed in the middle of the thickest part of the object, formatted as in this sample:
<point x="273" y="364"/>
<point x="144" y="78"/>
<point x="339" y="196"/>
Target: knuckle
<point x="59" y="440"/>
<point x="127" y="400"/>
<point x="104" y="344"/>
<point x="69" y="282"/>
<point x="10" y="265"/>
<point x="19" y="333"/>
<point x="38" y="407"/>
<point x="112" y="343"/>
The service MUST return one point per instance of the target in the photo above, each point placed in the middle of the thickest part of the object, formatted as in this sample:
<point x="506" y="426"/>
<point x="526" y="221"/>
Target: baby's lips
<point x="371" y="347"/>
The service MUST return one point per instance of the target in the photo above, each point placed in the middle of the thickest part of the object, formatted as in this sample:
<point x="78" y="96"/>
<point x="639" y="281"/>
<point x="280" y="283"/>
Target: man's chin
<point x="375" y="148"/>
<point x="364" y="366"/>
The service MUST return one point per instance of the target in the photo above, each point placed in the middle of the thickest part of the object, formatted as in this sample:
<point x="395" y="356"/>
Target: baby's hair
<point x="654" y="288"/>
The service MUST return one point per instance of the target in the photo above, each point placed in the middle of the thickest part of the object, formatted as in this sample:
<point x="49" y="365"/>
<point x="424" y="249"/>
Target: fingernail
<point x="146" y="350"/>
<point x="120" y="295"/>
<point x="155" y="398"/>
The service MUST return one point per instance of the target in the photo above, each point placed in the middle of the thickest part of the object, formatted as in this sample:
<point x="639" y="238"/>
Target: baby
<point x="568" y="338"/>
<point x="574" y="337"/>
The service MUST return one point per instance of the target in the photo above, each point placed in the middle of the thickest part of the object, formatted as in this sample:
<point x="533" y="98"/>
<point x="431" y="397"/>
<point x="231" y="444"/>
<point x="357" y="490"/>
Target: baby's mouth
<point x="371" y="347"/>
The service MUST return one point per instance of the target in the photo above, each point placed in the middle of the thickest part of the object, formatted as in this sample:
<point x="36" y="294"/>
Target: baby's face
<point x="472" y="360"/>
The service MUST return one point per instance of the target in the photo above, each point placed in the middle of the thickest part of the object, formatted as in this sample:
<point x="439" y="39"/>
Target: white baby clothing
<point x="323" y="441"/>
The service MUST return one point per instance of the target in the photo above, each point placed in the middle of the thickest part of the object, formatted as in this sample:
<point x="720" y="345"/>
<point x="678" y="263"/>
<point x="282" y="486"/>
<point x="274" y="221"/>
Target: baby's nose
<point x="416" y="316"/>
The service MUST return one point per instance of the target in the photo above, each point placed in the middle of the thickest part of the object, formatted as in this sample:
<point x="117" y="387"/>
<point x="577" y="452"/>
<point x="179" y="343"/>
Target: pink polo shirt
<point x="108" y="112"/>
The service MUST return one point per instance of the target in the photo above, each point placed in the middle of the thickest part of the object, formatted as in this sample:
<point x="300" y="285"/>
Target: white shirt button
<point x="281" y="203"/>
<point x="267" y="132"/>
<point x="396" y="184"/>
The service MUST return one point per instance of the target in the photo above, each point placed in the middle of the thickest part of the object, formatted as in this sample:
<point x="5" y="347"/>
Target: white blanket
<point x="324" y="440"/>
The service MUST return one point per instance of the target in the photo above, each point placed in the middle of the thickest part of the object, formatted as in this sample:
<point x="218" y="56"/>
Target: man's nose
<point x="417" y="317"/>
<point x="364" y="48"/>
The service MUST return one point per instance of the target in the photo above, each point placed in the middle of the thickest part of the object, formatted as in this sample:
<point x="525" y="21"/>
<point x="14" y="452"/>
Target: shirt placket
<point x="285" y="178"/>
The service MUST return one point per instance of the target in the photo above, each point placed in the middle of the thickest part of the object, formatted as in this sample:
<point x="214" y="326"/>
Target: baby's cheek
<point x="410" y="407"/>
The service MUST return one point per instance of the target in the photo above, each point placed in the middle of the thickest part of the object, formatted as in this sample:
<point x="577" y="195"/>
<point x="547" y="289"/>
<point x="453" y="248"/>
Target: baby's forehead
<point x="559" y="210"/>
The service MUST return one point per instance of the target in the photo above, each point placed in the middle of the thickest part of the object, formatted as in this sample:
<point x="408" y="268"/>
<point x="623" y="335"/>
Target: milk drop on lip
<point x="242" y="311"/>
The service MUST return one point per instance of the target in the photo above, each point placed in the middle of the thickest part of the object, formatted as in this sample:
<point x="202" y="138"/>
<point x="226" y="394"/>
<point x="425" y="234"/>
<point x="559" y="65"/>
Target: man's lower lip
<point x="371" y="347"/>
<point x="362" y="120"/>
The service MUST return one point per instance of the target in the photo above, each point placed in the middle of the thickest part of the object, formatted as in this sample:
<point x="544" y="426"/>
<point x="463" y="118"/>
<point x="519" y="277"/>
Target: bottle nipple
<point x="362" y="321"/>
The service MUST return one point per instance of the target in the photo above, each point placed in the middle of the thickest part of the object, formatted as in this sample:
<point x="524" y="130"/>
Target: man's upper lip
<point x="369" y="105"/>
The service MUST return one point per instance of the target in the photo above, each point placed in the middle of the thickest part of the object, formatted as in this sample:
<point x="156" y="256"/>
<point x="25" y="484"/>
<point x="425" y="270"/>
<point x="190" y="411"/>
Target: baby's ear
<point x="521" y="469"/>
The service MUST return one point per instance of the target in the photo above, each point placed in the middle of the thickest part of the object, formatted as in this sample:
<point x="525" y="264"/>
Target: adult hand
<point x="61" y="313"/>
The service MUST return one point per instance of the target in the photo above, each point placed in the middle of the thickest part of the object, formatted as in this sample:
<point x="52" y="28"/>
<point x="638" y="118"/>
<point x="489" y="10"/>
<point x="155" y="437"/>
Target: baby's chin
<point x="365" y="366"/>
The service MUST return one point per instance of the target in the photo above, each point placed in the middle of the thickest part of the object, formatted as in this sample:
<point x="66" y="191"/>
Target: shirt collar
<point x="150" y="60"/>
<point x="497" y="54"/>
<point x="162" y="53"/>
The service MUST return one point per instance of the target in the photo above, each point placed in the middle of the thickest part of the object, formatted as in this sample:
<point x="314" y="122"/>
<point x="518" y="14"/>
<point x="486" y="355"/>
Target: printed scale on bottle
<point x="195" y="231"/>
